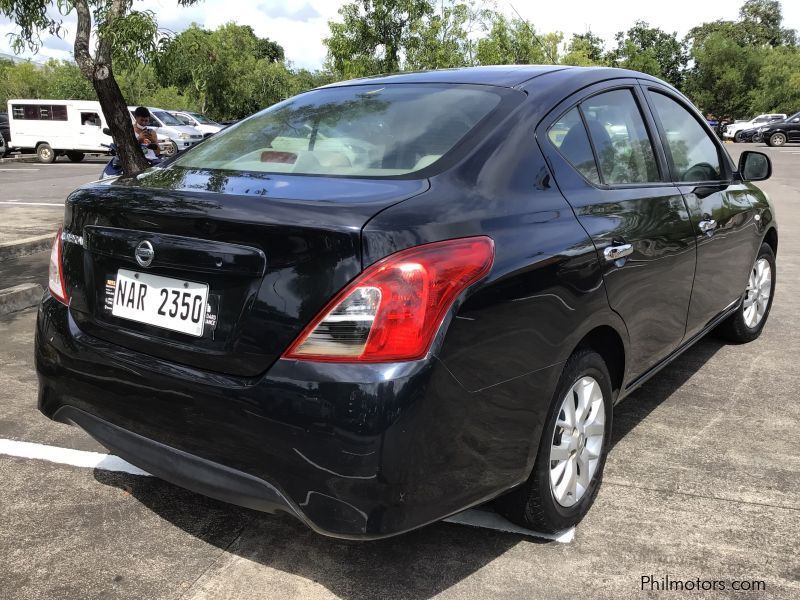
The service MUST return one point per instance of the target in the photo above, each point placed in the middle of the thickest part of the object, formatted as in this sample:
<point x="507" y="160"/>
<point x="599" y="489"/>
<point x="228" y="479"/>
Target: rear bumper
<point x="181" y="468"/>
<point x="354" y="451"/>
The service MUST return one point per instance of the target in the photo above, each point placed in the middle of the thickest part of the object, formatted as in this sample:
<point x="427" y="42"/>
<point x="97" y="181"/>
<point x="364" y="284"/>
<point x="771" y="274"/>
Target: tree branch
<point x="104" y="45"/>
<point x="83" y="34"/>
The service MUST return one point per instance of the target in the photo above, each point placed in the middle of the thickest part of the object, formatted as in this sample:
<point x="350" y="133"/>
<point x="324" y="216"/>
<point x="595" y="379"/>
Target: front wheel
<point x="777" y="139"/>
<point x="747" y="323"/>
<point x="171" y="149"/>
<point x="3" y="145"/>
<point x="738" y="137"/>
<point x="572" y="451"/>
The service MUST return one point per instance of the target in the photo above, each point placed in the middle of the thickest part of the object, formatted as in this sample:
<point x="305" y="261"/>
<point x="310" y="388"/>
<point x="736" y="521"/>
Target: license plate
<point x="164" y="302"/>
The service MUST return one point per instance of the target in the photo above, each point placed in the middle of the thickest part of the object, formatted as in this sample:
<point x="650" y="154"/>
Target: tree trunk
<point x="118" y="117"/>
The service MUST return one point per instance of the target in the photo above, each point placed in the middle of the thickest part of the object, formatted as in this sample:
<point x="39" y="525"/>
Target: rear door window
<point x="569" y="136"/>
<point x="620" y="138"/>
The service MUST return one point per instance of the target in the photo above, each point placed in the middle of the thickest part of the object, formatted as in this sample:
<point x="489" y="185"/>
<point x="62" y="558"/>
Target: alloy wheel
<point x="171" y="149"/>
<point x="757" y="294"/>
<point x="577" y="441"/>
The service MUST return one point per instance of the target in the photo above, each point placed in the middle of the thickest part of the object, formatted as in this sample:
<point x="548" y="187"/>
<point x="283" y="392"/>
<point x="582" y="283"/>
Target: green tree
<point x="66" y="82"/>
<point x="304" y="80"/>
<point x="723" y="74"/>
<point x="650" y="50"/>
<point x="515" y="41"/>
<point x="762" y="24"/>
<point x="124" y="36"/>
<point x="778" y="85"/>
<point x="21" y="80"/>
<point x="60" y="80"/>
<point x="269" y="50"/>
<point x="372" y="35"/>
<point x="445" y="38"/>
<point x="223" y="72"/>
<point x="697" y="35"/>
<point x="584" y="50"/>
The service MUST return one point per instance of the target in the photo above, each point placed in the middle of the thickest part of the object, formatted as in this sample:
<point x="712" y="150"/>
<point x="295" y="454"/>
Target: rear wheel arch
<point x="608" y="343"/>
<point x="771" y="238"/>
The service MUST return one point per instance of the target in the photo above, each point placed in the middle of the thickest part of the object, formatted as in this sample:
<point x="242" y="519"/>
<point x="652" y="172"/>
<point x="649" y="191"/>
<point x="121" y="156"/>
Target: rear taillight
<point x="392" y="311"/>
<point x="56" y="279"/>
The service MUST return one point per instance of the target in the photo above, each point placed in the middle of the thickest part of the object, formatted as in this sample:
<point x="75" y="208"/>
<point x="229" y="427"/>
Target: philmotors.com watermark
<point x="665" y="583"/>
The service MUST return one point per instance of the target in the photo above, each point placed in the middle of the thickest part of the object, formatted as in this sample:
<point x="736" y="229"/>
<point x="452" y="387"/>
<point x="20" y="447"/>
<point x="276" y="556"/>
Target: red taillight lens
<point x="391" y="312"/>
<point x="56" y="279"/>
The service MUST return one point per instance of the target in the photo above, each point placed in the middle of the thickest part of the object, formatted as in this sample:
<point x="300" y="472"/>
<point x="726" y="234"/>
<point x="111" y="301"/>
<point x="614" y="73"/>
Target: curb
<point x="26" y="158"/>
<point x="20" y="296"/>
<point x="29" y="245"/>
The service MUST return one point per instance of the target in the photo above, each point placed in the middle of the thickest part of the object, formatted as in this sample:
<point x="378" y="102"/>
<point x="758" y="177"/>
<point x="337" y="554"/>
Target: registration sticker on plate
<point x="160" y="301"/>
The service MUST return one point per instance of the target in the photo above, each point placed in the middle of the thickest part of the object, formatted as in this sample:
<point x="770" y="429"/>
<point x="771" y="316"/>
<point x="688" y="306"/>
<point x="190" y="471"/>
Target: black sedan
<point x="382" y="302"/>
<point x="748" y="135"/>
<point x="782" y="132"/>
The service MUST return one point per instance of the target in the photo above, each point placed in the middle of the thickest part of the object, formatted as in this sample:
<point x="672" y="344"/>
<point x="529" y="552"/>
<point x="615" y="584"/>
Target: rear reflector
<point x="392" y="311"/>
<point x="56" y="272"/>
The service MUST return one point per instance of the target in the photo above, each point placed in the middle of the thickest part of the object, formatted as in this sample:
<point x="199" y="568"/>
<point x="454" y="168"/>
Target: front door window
<point x="695" y="157"/>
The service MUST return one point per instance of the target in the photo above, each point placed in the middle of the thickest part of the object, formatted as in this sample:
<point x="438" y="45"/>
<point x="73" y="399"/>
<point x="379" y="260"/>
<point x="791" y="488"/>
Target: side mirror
<point x="106" y="131"/>
<point x="754" y="166"/>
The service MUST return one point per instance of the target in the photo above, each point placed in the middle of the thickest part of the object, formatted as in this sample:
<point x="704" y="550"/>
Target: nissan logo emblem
<point x="145" y="253"/>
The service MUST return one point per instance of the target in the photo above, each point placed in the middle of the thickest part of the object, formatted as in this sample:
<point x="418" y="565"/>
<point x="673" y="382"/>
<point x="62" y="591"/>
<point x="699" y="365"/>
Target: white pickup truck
<point x="734" y="128"/>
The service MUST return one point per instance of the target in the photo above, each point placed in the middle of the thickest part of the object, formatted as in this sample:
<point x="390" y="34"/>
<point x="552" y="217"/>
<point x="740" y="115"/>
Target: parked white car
<point x="167" y="125"/>
<point x="734" y="128"/>
<point x="199" y="121"/>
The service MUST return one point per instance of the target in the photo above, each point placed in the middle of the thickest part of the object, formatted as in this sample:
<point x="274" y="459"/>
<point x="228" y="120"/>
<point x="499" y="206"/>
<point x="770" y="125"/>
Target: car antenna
<point x="545" y="49"/>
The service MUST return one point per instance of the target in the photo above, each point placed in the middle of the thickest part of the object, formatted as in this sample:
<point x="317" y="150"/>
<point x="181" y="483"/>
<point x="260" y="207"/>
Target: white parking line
<point x="66" y="456"/>
<point x="19" y="169"/>
<point x="108" y="462"/>
<point x="21" y="203"/>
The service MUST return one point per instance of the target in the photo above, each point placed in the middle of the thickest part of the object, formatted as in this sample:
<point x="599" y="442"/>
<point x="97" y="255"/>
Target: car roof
<point x="497" y="75"/>
<point x="77" y="104"/>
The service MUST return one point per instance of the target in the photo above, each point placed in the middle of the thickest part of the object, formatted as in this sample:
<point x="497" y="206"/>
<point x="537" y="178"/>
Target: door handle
<point x="707" y="225"/>
<point x="612" y="253"/>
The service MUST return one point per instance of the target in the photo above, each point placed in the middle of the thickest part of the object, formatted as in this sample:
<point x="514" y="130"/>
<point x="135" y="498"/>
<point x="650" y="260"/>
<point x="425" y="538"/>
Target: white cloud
<point x="300" y="25"/>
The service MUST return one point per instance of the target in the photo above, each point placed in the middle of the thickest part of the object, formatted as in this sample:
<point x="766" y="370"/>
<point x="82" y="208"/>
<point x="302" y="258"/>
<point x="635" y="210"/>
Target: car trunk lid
<point x="271" y="249"/>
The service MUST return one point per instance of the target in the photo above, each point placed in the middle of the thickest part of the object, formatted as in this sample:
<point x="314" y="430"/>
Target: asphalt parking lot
<point x="31" y="194"/>
<point x="702" y="482"/>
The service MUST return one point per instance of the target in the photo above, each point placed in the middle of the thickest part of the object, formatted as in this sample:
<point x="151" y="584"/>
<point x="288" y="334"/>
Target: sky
<point x="300" y="25"/>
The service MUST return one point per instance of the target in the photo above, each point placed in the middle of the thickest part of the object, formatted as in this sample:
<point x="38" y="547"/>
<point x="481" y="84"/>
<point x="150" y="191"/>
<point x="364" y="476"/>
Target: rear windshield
<point x="379" y="130"/>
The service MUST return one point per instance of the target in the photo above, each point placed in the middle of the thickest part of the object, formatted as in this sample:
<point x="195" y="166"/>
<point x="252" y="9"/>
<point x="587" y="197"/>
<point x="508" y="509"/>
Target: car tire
<point x="171" y="149"/>
<point x="547" y="502"/>
<point x="75" y="156"/>
<point x="45" y="153"/>
<point x="747" y="323"/>
<point x="777" y="139"/>
<point x="738" y="137"/>
<point x="3" y="145"/>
